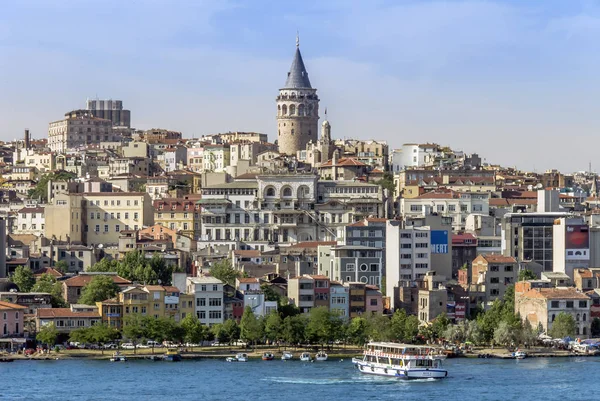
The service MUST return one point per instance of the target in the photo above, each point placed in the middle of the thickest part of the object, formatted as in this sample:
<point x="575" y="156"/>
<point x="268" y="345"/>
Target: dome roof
<point x="6" y="286"/>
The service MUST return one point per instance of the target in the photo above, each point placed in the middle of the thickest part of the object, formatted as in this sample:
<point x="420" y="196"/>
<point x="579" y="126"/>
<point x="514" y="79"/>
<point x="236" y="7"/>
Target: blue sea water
<point x="469" y="379"/>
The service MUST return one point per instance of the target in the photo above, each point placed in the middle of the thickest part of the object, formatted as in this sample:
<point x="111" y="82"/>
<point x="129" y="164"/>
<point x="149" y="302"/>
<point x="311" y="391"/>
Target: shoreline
<point x="224" y="352"/>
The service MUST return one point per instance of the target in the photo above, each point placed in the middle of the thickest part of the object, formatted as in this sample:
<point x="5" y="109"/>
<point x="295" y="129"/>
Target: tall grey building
<point x="110" y="110"/>
<point x="297" y="109"/>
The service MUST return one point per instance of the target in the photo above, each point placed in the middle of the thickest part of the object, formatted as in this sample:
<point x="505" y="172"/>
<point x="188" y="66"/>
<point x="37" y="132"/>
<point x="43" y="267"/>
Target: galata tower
<point x="297" y="109"/>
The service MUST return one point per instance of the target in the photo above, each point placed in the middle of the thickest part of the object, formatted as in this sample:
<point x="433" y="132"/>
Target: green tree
<point x="294" y="329"/>
<point x="224" y="271"/>
<point x="286" y="309"/>
<point x="411" y="328"/>
<point x="270" y="293"/>
<point x="81" y="335"/>
<point x="273" y="326"/>
<point x="357" y="331"/>
<point x="397" y="325"/>
<point x="102" y="333"/>
<point x="134" y="328"/>
<point x="99" y="289"/>
<point x="379" y="328"/>
<point x="528" y="334"/>
<point x="474" y="333"/>
<point x="195" y="332"/>
<point x="104" y="265"/>
<point x="387" y="182"/>
<point x="41" y="188"/>
<point x="250" y="327"/>
<point x="163" y="271"/>
<point x="320" y="326"/>
<point x="506" y="335"/>
<point x="47" y="335"/>
<point x="47" y="283"/>
<point x="526" y="274"/>
<point x="61" y="266"/>
<point x="23" y="278"/>
<point x="456" y="333"/>
<point x="439" y="325"/>
<point x="563" y="326"/>
<point x="231" y="329"/>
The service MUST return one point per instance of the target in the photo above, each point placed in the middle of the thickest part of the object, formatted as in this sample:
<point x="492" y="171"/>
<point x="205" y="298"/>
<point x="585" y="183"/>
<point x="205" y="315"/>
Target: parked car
<point x="169" y="344"/>
<point x="110" y="346"/>
<point x="153" y="344"/>
<point x="127" y="346"/>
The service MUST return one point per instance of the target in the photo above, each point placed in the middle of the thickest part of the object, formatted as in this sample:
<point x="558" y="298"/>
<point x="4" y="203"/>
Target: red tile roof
<point x="368" y="219"/>
<point x="48" y="270"/>
<point x="555" y="293"/>
<point x="49" y="313"/>
<point x="345" y="162"/>
<point x="82" y="280"/>
<point x="7" y="306"/>
<point x="493" y="258"/>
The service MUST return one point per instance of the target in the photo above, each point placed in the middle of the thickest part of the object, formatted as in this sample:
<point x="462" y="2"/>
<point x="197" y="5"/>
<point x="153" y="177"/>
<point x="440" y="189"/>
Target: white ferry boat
<point x="401" y="360"/>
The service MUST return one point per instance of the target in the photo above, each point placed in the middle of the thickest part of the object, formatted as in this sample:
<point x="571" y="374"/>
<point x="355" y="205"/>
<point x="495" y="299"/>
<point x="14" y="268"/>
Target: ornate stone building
<point x="297" y="109"/>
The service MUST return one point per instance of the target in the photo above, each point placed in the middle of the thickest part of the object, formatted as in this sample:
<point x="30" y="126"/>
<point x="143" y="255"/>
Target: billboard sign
<point x="459" y="311"/>
<point x="439" y="241"/>
<point x="577" y="242"/>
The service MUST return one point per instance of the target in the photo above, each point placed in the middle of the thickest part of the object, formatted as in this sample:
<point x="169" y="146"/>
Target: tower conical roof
<point x="297" y="77"/>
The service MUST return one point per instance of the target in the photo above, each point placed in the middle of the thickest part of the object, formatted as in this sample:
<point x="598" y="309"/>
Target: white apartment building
<point x="447" y="203"/>
<point x="30" y="220"/>
<point x="209" y="299"/>
<point x="407" y="256"/>
<point x="412" y="155"/>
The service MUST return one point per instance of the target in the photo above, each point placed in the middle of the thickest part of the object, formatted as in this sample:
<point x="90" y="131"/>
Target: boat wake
<point x="336" y="381"/>
<point x="323" y="382"/>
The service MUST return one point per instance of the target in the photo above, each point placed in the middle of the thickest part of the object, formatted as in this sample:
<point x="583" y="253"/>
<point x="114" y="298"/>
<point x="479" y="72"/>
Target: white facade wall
<point x="208" y="299"/>
<point x="457" y="208"/>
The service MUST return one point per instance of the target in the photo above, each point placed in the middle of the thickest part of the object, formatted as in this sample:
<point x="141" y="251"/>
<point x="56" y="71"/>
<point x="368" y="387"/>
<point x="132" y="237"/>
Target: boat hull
<point x="173" y="358"/>
<point x="380" y="370"/>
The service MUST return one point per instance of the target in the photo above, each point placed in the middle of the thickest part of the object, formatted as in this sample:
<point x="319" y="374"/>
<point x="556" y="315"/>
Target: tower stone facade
<point x="297" y="109"/>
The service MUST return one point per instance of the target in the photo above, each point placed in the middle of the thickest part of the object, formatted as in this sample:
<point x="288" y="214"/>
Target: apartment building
<point x="339" y="299"/>
<point x="530" y="236"/>
<point x="30" y="220"/>
<point x="209" y="299"/>
<point x="78" y="129"/>
<point x="542" y="306"/>
<point x="11" y="319"/>
<point x="456" y="205"/>
<point x="156" y="301"/>
<point x="73" y="287"/>
<point x="67" y="319"/>
<point x="97" y="218"/>
<point x="309" y="291"/>
<point x="492" y="274"/>
<point x="179" y="214"/>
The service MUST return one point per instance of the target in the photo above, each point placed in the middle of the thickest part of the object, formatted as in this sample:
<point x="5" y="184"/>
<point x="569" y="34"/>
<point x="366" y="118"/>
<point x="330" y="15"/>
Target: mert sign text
<point x="439" y="241"/>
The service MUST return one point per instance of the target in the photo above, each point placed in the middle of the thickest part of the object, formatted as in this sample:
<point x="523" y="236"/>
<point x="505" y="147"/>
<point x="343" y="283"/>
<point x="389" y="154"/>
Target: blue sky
<point x="515" y="81"/>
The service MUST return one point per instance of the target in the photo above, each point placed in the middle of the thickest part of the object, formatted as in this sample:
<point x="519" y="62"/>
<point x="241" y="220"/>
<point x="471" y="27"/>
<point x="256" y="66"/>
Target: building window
<point x="583" y="304"/>
<point x="106" y="228"/>
<point x="214" y="302"/>
<point x="350" y="267"/>
<point x="554" y="305"/>
<point x="569" y="304"/>
<point x="214" y="314"/>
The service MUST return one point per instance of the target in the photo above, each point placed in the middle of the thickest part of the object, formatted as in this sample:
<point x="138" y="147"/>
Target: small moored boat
<point x="305" y="357"/>
<point x="241" y="357"/>
<point x="321" y="356"/>
<point x="172" y="355"/>
<point x="287" y="356"/>
<point x="267" y="356"/>
<point x="402" y="361"/>
<point x="519" y="354"/>
<point x="118" y="357"/>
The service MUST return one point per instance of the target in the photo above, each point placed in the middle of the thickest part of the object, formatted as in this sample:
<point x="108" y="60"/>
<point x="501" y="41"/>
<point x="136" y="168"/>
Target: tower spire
<point x="297" y="38"/>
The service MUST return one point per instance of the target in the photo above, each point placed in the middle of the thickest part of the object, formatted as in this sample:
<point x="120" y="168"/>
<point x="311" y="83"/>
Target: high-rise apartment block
<point x="110" y="110"/>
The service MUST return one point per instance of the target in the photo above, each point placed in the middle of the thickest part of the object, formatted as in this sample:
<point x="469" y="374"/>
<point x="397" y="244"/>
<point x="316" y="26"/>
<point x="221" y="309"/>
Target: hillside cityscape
<point x="107" y="226"/>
